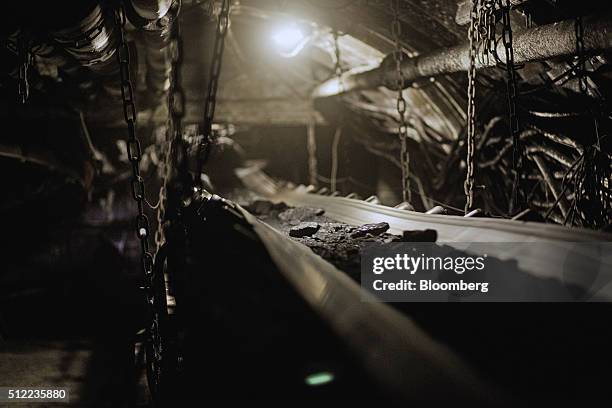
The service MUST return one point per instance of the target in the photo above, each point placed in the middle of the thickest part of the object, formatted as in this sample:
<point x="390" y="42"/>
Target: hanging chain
<point x="26" y="59"/>
<point x="512" y="89"/>
<point x="483" y="31"/>
<point x="134" y="153"/>
<point x="482" y="41"/>
<point x="312" y="149"/>
<point x="485" y="28"/>
<point x="471" y="109"/>
<point x="582" y="78"/>
<point x="211" y="97"/>
<point x="338" y="61"/>
<point x="481" y="36"/>
<point x="396" y="31"/>
<point x="174" y="128"/>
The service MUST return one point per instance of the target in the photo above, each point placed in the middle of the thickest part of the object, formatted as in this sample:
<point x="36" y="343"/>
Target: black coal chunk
<point x="264" y="207"/>
<point x="372" y="229"/>
<point x="304" y="229"/>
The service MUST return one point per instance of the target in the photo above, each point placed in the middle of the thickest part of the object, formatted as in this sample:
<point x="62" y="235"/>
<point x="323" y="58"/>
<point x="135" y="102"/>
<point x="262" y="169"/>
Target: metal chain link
<point x="473" y="35"/>
<point x="516" y="203"/>
<point x="582" y="78"/>
<point x="174" y="128"/>
<point x="134" y="154"/>
<point x="488" y="29"/>
<point x="481" y="35"/>
<point x="396" y="31"/>
<point x="338" y="62"/>
<point x="26" y="59"/>
<point x="211" y="97"/>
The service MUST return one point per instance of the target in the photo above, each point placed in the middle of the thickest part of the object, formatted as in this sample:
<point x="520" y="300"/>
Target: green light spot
<point x="319" y="378"/>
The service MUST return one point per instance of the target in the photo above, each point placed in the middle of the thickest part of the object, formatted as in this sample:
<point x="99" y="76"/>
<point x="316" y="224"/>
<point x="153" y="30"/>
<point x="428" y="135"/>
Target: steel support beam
<point x="530" y="45"/>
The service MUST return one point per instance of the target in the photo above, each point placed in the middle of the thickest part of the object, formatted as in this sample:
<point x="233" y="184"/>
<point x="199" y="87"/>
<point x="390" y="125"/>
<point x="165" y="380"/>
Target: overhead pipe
<point x="45" y="51"/>
<point x="90" y="39"/>
<point x="154" y="18"/>
<point x="151" y="9"/>
<point x="37" y="47"/>
<point x="530" y="45"/>
<point x="152" y="15"/>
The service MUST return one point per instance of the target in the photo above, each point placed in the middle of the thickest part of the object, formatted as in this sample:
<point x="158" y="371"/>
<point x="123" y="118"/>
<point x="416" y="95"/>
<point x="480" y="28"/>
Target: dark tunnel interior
<point x="195" y="195"/>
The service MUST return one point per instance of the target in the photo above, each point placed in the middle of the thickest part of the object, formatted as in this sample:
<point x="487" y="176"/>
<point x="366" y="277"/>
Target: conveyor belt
<point x="518" y="236"/>
<point x="403" y="357"/>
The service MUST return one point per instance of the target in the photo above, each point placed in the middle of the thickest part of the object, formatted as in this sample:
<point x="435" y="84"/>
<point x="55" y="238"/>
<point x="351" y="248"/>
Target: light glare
<point x="288" y="37"/>
<point x="331" y="87"/>
<point x="289" y="40"/>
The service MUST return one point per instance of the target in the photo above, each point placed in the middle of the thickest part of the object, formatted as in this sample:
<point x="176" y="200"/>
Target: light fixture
<point x="289" y="39"/>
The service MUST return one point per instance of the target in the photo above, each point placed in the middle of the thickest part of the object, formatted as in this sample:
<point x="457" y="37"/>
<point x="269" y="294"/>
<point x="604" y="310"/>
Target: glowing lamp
<point x="289" y="40"/>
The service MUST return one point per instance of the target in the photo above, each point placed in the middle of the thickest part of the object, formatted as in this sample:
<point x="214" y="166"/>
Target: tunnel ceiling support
<point x="530" y="45"/>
